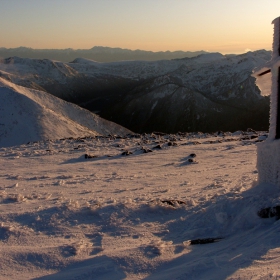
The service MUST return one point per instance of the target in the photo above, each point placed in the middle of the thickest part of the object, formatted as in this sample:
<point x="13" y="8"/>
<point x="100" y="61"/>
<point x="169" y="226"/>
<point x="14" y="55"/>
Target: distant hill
<point x="100" y="54"/>
<point x="31" y="115"/>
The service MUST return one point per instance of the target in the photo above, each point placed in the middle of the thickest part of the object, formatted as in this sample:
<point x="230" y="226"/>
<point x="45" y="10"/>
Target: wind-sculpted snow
<point x="136" y="215"/>
<point x="32" y="115"/>
<point x="209" y="92"/>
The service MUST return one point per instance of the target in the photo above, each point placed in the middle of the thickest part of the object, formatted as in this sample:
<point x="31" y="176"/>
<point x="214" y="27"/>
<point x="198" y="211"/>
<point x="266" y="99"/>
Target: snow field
<point x="66" y="217"/>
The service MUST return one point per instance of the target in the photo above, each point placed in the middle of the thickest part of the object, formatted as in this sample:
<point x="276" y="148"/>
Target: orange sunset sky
<point x="226" y="26"/>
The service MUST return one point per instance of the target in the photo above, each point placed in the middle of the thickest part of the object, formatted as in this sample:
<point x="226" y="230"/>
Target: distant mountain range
<point x="100" y="54"/>
<point x="207" y="93"/>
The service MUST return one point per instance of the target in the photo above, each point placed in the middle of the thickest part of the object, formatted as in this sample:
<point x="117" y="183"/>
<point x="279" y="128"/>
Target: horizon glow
<point x="153" y="25"/>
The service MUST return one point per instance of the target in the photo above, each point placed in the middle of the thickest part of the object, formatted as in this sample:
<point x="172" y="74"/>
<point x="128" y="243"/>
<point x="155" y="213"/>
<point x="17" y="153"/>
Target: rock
<point x="270" y="212"/>
<point x="262" y="138"/>
<point x="204" y="241"/>
<point x="173" y="202"/>
<point x="146" y="150"/>
<point x="126" y="153"/>
<point x="159" y="133"/>
<point x="251" y="130"/>
<point x="87" y="156"/>
<point x="172" y="143"/>
<point x="158" y="147"/>
<point x="80" y="140"/>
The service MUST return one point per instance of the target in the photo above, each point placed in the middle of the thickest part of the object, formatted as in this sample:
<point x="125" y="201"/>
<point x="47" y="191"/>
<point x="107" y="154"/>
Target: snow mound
<point x="32" y="115"/>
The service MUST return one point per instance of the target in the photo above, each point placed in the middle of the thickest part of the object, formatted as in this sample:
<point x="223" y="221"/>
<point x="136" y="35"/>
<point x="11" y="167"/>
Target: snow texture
<point x="64" y="216"/>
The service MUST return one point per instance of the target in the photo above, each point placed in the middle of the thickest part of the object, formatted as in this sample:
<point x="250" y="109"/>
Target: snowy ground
<point x="116" y="216"/>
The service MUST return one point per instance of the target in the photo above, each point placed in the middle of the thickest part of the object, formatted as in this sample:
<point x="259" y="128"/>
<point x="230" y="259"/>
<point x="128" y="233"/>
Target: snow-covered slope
<point x="32" y="115"/>
<point x="65" y="217"/>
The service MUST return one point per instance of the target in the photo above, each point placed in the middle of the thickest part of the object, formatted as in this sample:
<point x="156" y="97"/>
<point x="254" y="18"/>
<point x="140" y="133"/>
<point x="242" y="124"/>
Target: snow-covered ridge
<point x="205" y="67"/>
<point x="32" y="115"/>
<point x="202" y="67"/>
<point x="190" y="94"/>
<point x="36" y="69"/>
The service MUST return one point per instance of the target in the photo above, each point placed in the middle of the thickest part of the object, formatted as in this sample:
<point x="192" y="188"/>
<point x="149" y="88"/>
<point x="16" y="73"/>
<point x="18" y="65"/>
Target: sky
<point x="226" y="26"/>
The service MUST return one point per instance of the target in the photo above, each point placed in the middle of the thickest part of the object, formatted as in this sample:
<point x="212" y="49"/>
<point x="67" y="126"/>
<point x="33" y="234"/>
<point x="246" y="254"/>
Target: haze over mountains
<point x="209" y="92"/>
<point x="98" y="53"/>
